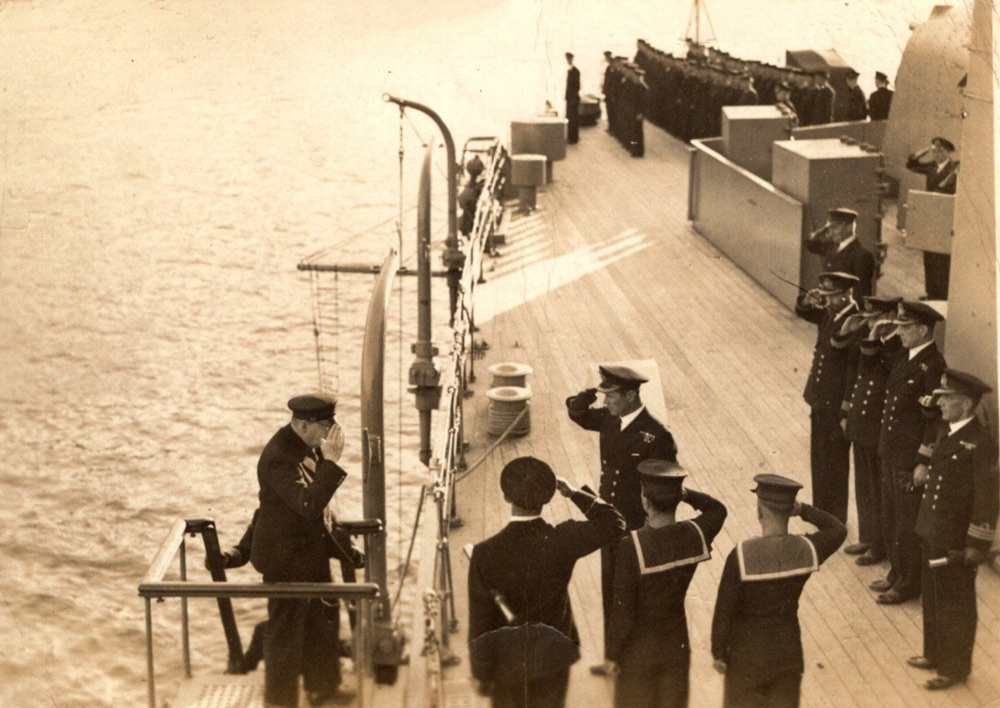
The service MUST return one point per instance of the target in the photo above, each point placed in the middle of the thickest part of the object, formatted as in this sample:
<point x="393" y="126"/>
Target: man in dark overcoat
<point x="880" y="101"/>
<point x="905" y="444"/>
<point x="655" y="565"/>
<point x="863" y="424"/>
<point x="857" y="105"/>
<point x="956" y="523"/>
<point x="298" y="475"/>
<point x="756" y="639"/>
<point x="940" y="171"/>
<point x="572" y="101"/>
<point x="628" y="435"/>
<point x="522" y="636"/>
<point x="826" y="390"/>
<point x="837" y="242"/>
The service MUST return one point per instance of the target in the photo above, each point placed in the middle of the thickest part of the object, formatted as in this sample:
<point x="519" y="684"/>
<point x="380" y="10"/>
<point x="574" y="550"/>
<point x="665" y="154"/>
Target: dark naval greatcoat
<point x="959" y="508"/>
<point x="530" y="563"/>
<point x="856" y="260"/>
<point x="645" y="438"/>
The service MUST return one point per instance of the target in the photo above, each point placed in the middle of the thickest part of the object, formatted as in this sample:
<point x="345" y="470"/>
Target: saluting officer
<point x="756" y="640"/>
<point x="842" y="252"/>
<point x="298" y="475"/>
<point x="826" y="390"/>
<point x="523" y="661"/>
<point x="957" y="522"/>
<point x="654" y="567"/>
<point x="863" y="424"/>
<point x="628" y="435"/>
<point x="905" y="445"/>
<point x="940" y="171"/>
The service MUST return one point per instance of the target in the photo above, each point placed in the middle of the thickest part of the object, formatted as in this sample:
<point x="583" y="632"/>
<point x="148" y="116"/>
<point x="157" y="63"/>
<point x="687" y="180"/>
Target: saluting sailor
<point x="628" y="435"/>
<point x="522" y="660"/>
<point x="957" y="522"/>
<point x="756" y="640"/>
<point x="648" y="639"/>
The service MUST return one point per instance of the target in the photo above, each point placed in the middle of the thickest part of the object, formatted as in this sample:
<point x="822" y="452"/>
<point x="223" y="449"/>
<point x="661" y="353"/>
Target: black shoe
<point x="868" y="558"/>
<point x="881" y="585"/>
<point x="895" y="597"/>
<point x="921" y="662"/>
<point x="856" y="549"/>
<point x="337" y="697"/>
<point x="940" y="682"/>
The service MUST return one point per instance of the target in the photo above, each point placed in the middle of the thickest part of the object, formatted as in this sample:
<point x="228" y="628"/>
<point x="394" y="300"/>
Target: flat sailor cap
<point x="313" y="406"/>
<point x="619" y="378"/>
<point x="662" y="474"/>
<point x="963" y="383"/>
<point x="528" y="482"/>
<point x="915" y="312"/>
<point x="775" y="488"/>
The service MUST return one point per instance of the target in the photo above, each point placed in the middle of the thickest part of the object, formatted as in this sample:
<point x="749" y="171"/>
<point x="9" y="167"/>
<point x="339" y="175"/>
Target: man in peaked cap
<point x="957" y="522"/>
<point x="654" y="566"/>
<point x="823" y="98"/>
<point x="862" y="421"/>
<point x="880" y="100"/>
<point x="527" y="566"/>
<point x="826" y="390"/>
<point x="783" y="102"/>
<point x="756" y="640"/>
<point x="838" y="243"/>
<point x="906" y="441"/>
<point x="857" y="106"/>
<point x="941" y="176"/>
<point x="572" y="101"/>
<point x="298" y="475"/>
<point x="628" y="435"/>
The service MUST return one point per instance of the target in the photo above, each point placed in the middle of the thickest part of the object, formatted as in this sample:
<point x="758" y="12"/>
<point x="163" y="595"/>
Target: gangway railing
<point x="155" y="587"/>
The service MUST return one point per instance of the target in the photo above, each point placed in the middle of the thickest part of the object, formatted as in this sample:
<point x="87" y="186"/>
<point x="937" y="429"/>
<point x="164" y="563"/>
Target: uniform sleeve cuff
<point x="980" y="536"/>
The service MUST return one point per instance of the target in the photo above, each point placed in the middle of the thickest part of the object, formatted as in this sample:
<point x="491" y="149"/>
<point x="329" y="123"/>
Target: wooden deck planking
<point x="733" y="362"/>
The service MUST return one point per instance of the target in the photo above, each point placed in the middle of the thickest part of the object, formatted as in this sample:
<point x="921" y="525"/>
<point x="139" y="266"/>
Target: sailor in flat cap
<point x="880" y="101"/>
<point x="838" y="243"/>
<point x="298" y="475"/>
<point x="956" y="523"/>
<point x="857" y="105"/>
<point x="906" y="441"/>
<point x="862" y="421"/>
<point x="628" y="435"/>
<point x="526" y="568"/>
<point x="940" y="171"/>
<point x="756" y="640"/>
<point x="648" y="639"/>
<point x="826" y="389"/>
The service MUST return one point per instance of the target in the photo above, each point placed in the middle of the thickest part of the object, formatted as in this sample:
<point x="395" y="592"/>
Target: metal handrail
<point x="153" y="586"/>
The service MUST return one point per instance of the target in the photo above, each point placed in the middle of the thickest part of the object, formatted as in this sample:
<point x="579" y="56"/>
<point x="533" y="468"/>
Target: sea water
<point x="165" y="165"/>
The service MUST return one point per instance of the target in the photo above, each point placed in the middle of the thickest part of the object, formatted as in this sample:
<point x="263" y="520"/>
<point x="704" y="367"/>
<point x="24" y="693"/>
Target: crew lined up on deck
<point x="938" y="498"/>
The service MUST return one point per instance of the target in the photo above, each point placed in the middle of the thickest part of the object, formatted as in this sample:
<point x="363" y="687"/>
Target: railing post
<point x="185" y="628"/>
<point x="150" y="679"/>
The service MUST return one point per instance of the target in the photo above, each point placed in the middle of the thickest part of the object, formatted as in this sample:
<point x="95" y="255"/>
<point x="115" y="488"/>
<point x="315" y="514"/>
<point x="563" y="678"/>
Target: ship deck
<point x="607" y="268"/>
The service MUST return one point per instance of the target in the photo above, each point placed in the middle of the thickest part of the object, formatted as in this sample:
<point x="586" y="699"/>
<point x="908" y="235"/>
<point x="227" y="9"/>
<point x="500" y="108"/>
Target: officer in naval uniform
<point x="880" y="101"/>
<point x="298" y="475"/>
<point x="783" y="102"/>
<point x="941" y="176"/>
<point x="863" y="424"/>
<point x="838" y="243"/>
<point x="522" y="636"/>
<point x="957" y="522"/>
<point x="905" y="444"/>
<point x="628" y="435"/>
<point x="654" y="566"/>
<point x="826" y="390"/>
<point x="756" y="640"/>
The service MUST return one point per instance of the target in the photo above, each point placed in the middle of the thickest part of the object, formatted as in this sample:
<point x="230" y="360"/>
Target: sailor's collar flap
<point x="670" y="547"/>
<point x="774" y="557"/>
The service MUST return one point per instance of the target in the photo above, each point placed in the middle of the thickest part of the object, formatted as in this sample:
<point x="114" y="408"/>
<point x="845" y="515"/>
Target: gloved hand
<point x="582" y="400"/>
<point x="973" y="556"/>
<point x="357" y="557"/>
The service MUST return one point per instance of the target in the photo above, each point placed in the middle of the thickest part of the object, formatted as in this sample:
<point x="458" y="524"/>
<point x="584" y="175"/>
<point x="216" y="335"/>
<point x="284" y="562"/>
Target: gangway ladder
<point x="231" y="690"/>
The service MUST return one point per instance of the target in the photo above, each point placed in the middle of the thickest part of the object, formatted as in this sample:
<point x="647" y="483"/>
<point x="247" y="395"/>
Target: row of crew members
<point x="768" y="77"/>
<point x="925" y="485"/>
<point x="625" y="99"/>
